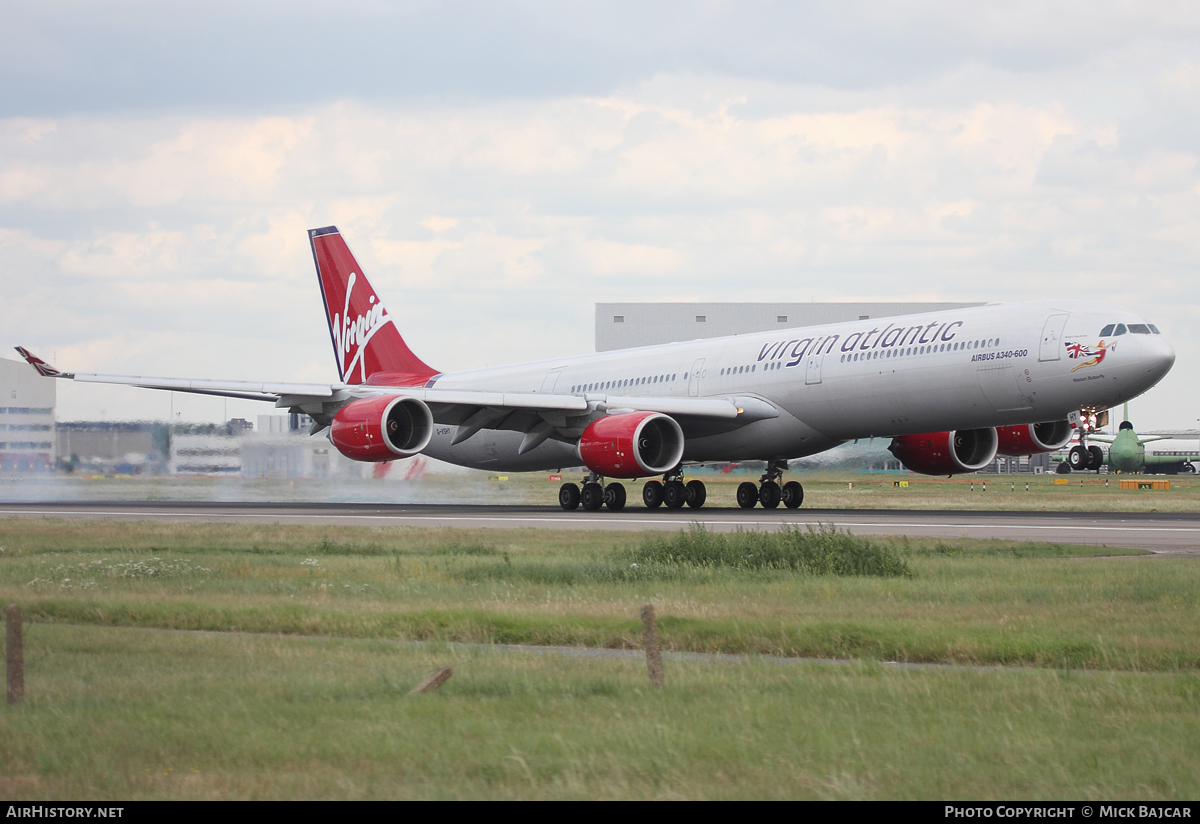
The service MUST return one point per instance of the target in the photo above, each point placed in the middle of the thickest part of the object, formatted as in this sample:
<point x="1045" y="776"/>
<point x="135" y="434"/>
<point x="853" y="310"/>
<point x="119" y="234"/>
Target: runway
<point x="1166" y="534"/>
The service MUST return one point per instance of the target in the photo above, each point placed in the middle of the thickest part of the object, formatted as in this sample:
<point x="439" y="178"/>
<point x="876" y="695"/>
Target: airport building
<point x="627" y="325"/>
<point x="282" y="449"/>
<point x="206" y="453"/>
<point x="26" y="419"/>
<point x="112" y="447"/>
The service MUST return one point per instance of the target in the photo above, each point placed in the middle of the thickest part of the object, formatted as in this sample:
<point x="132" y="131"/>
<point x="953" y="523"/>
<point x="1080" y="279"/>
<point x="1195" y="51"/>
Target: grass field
<point x="977" y="602"/>
<point x="127" y="714"/>
<point x="1103" y="701"/>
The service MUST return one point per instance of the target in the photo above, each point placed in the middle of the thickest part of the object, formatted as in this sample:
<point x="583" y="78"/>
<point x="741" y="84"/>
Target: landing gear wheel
<point x="592" y="496"/>
<point x="769" y="495"/>
<point x="614" y="497"/>
<point x="747" y="495"/>
<point x="674" y="495"/>
<point x="1095" y="458"/>
<point x="1078" y="459"/>
<point x="695" y="493"/>
<point x="652" y="494"/>
<point x="568" y="497"/>
<point x="1064" y="468"/>
<point x="793" y="494"/>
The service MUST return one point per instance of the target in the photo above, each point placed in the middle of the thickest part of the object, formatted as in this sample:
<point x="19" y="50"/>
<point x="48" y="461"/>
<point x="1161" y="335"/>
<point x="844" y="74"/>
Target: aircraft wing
<point x="469" y="409"/>
<point x="246" y="390"/>
<point x="1111" y="438"/>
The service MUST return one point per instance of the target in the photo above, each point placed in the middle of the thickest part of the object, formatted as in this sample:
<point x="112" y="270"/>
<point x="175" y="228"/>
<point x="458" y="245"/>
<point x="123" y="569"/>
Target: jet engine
<point x="382" y="429"/>
<point x="632" y="445"/>
<point x="1034" y="438"/>
<point x="946" y="453"/>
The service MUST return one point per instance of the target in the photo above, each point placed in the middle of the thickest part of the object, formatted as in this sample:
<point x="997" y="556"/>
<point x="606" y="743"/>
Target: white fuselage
<point x="962" y="369"/>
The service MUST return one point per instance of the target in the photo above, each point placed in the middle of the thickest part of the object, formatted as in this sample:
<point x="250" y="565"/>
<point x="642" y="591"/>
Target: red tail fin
<point x="366" y="343"/>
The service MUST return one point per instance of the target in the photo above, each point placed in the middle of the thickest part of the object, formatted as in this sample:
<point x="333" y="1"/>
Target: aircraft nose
<point x="1160" y="356"/>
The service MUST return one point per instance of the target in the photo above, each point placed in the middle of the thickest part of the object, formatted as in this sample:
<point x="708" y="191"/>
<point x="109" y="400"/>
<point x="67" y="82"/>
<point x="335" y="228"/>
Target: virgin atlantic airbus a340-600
<point x="952" y="389"/>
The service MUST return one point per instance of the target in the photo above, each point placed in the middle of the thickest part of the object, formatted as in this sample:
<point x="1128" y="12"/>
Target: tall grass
<point x="822" y="550"/>
<point x="699" y="555"/>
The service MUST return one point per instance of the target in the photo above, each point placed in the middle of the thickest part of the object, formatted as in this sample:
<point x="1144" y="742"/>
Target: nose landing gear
<point x="769" y="493"/>
<point x="1085" y="458"/>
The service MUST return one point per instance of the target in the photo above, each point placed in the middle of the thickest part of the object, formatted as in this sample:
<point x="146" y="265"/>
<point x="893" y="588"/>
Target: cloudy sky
<point x="499" y="168"/>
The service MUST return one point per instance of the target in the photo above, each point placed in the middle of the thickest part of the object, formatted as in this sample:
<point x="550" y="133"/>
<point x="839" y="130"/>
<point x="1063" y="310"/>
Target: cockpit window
<point x="1139" y="329"/>
<point x="1154" y="329"/>
<point x="1120" y="329"/>
<point x="1107" y="330"/>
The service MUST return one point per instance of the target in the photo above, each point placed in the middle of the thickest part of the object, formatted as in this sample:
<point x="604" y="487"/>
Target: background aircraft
<point x="1127" y="454"/>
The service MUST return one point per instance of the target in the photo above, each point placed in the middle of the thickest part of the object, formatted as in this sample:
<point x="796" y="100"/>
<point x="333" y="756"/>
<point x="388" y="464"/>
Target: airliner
<point x="951" y="389"/>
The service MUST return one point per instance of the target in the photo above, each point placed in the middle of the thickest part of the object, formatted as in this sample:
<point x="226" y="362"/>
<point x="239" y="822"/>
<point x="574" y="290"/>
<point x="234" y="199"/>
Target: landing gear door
<point x="1052" y="334"/>
<point x="694" y="378"/>
<point x="812" y="374"/>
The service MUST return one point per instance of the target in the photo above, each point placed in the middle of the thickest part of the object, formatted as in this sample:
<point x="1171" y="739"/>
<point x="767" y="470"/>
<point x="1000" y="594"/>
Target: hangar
<point x="627" y="325"/>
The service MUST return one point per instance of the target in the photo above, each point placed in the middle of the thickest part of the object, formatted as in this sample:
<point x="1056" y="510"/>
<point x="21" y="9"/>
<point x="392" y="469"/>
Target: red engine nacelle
<point x="1033" y="438"/>
<point x="946" y="453"/>
<point x="632" y="445"/>
<point x="382" y="429"/>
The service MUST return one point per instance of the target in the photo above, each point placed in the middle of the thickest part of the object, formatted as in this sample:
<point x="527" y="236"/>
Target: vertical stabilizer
<point x="366" y="344"/>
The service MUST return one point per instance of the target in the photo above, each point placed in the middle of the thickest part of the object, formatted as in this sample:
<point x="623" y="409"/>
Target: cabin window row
<point x="920" y="350"/>
<point x="769" y="366"/>
<point x="624" y="383"/>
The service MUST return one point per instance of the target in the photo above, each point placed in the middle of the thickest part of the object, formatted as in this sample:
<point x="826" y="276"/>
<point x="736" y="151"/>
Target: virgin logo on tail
<point x="352" y="336"/>
<point x="366" y="343"/>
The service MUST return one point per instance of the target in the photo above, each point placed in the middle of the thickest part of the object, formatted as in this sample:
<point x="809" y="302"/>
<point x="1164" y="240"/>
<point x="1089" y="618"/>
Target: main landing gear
<point x="769" y="493"/>
<point x="673" y="492"/>
<point x="592" y="496"/>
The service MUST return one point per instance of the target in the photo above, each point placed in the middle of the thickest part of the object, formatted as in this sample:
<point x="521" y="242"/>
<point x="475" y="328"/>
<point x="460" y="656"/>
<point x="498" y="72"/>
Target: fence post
<point x="14" y="654"/>
<point x="650" y="642"/>
<point x="432" y="681"/>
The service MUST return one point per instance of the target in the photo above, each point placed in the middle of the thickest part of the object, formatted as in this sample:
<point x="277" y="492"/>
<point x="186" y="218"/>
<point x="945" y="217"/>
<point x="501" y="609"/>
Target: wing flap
<point x="699" y="407"/>
<point x="500" y="400"/>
